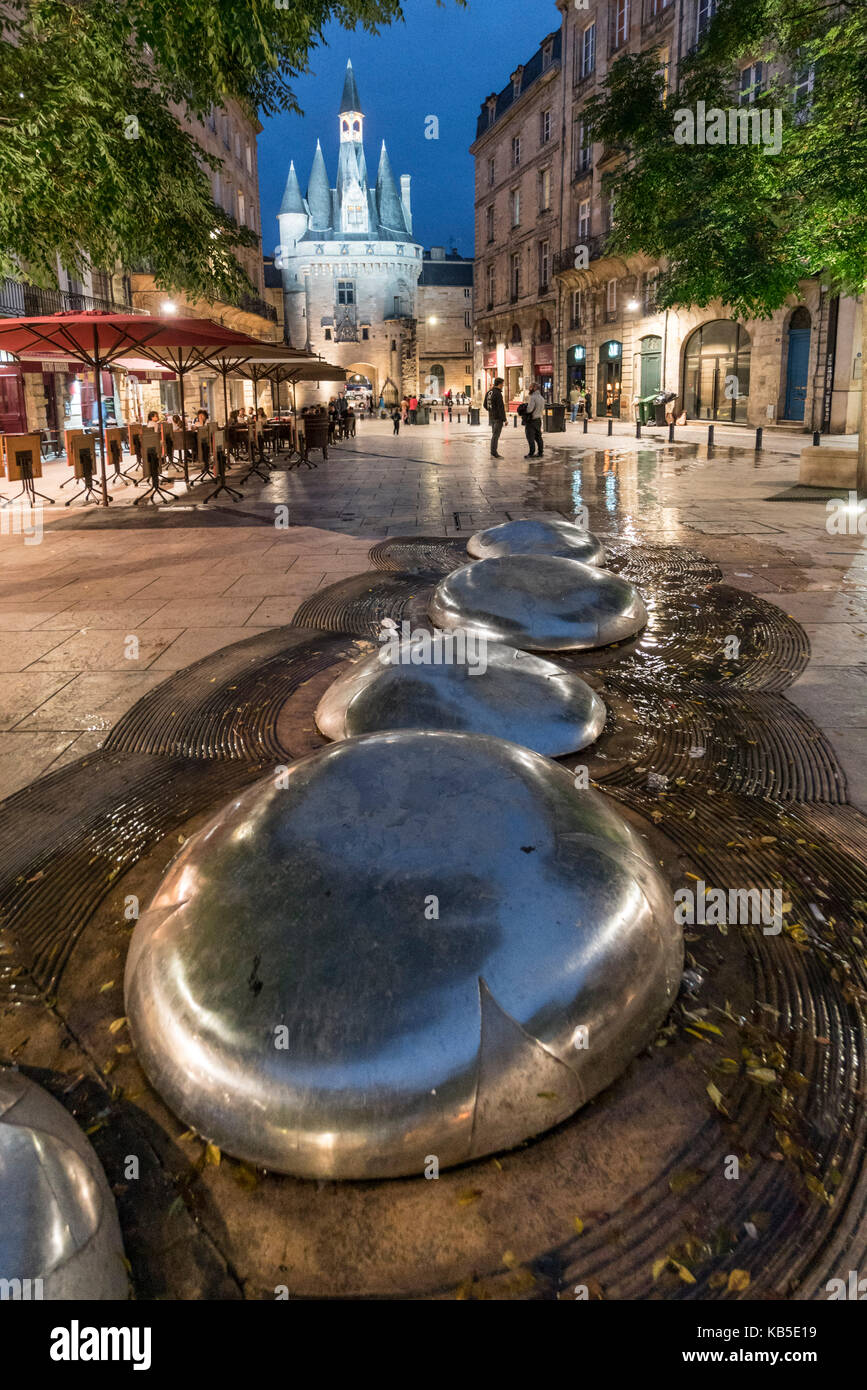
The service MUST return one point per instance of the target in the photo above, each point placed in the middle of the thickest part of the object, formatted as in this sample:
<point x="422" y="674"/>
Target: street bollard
<point x="816" y="439"/>
<point x="610" y="428"/>
<point x="759" y="436"/>
<point x="638" y="429"/>
<point x="515" y="421"/>
<point x="710" y="436"/>
<point x="585" y="424"/>
<point x="671" y="431"/>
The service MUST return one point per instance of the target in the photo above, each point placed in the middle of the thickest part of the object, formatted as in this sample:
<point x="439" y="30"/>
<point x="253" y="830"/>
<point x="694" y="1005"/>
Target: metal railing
<point x="251" y="305"/>
<point x="565" y="260"/>
<point x="19" y="300"/>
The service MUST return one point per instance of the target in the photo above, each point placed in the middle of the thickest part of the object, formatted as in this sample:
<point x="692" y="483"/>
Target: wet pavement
<point x="735" y="723"/>
<point x="188" y="579"/>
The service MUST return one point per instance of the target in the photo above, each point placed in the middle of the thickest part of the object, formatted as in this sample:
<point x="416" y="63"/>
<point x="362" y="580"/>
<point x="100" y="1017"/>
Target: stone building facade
<point x="801" y="367"/>
<point x="349" y="263"/>
<point x="445" y="324"/>
<point x="518" y="165"/>
<point x="230" y="133"/>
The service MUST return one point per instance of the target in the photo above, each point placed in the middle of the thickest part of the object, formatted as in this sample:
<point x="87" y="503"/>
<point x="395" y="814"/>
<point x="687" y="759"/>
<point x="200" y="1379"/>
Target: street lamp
<point x="632" y="304"/>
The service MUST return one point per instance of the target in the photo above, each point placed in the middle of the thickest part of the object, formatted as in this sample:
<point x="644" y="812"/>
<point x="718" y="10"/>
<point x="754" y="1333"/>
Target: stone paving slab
<point x="186" y="587"/>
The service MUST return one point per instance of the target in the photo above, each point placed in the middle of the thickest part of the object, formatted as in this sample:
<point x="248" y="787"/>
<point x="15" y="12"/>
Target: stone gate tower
<point x="349" y="263"/>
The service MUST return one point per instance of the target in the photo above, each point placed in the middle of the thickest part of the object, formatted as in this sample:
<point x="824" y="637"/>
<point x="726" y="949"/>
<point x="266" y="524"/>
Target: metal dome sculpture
<point x="526" y="537"/>
<point x="406" y="946"/>
<point x="539" y="602"/>
<point x="59" y="1233"/>
<point x="448" y="681"/>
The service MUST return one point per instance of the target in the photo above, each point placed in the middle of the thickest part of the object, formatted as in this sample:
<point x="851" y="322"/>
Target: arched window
<point x="345" y="125"/>
<point x="356" y="125"/>
<point x="492" y="341"/>
<point x="543" y="331"/>
<point x="800" y="319"/>
<point x="516" y="333"/>
<point x="436" y="380"/>
<point x="716" y="371"/>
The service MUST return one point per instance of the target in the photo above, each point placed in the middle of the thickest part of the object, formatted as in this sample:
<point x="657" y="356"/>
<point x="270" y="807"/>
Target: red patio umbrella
<point x="99" y="338"/>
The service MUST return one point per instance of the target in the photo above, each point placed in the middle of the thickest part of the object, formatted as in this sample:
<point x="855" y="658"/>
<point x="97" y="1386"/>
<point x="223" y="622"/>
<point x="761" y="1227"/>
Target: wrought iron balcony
<point x="19" y="299"/>
<point x="565" y="260"/>
<point x="251" y="305"/>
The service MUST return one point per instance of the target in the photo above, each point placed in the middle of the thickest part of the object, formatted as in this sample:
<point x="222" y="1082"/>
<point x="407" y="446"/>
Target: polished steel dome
<point x="539" y="602"/>
<point x="58" y="1222"/>
<point x="406" y="946"/>
<point x="525" y="537"/>
<point x="449" y="681"/>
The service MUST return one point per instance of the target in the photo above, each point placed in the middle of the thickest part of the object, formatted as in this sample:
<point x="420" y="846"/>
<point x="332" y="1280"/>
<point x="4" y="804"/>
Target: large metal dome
<point x="539" y="602"/>
<point x="409" y="945"/>
<point x="525" y="537"/>
<point x="445" y="682"/>
<point x="58" y="1223"/>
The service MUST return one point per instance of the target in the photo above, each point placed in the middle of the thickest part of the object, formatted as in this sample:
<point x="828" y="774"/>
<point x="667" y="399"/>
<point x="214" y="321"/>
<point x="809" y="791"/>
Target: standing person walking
<point x="413" y="409"/>
<point x="496" y="408"/>
<point x="395" y="418"/>
<point x="588" y="404"/>
<point x="533" y="421"/>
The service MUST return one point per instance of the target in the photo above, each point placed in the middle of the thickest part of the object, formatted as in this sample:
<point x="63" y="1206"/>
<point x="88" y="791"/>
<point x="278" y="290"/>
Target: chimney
<point x="438" y="253"/>
<point x="404" y="198"/>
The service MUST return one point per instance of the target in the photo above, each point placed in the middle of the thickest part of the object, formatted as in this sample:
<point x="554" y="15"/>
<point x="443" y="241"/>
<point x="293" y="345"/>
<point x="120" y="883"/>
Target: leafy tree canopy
<point x="95" y="165"/>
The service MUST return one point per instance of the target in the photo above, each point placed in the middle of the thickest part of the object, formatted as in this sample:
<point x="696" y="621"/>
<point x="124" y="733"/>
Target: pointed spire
<point x="319" y="192"/>
<point x="387" y="196"/>
<point x="351" y="100"/>
<point x="292" y="199"/>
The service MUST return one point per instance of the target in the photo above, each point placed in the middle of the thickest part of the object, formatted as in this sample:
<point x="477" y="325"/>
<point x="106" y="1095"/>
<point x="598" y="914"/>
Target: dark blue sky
<point x="442" y="61"/>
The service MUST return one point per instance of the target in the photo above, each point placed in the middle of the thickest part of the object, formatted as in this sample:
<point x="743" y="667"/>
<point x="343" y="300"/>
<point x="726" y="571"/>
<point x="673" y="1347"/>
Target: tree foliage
<point x="95" y="164"/>
<point x="734" y="221"/>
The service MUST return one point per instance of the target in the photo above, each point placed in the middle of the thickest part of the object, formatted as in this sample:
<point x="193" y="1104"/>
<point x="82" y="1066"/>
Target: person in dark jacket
<point x="496" y="408"/>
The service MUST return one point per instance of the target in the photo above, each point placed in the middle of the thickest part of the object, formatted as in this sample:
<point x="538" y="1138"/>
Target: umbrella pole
<point x="97" y="374"/>
<point x="224" y="372"/>
<point x="184" y="463"/>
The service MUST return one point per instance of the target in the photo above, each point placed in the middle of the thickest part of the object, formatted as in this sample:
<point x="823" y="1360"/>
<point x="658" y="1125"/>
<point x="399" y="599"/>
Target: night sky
<point x="442" y="61"/>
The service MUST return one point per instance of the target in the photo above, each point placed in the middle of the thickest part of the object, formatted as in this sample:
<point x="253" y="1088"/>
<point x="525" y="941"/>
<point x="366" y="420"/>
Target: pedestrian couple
<point x="532" y="411"/>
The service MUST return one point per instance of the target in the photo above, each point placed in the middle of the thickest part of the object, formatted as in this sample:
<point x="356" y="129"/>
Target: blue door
<point x="796" y="373"/>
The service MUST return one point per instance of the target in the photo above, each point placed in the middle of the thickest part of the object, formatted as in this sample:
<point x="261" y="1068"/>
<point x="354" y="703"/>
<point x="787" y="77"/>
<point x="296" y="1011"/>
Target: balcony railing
<point x="19" y="300"/>
<point x="251" y="305"/>
<point x="565" y="260"/>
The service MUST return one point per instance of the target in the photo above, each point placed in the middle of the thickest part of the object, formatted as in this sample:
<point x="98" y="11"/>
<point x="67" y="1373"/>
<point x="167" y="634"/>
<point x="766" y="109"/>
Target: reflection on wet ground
<point x="707" y="753"/>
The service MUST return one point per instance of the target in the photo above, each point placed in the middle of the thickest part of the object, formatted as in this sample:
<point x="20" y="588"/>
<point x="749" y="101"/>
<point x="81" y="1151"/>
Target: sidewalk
<point x="109" y="602"/>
